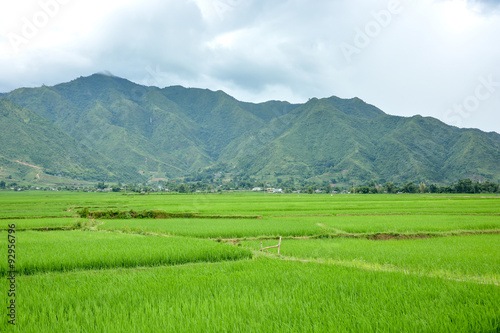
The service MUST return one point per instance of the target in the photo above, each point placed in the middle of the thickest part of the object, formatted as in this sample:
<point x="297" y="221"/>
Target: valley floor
<point x="346" y="263"/>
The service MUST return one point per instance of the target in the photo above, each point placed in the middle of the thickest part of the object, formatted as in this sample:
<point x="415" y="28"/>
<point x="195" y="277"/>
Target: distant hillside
<point x="357" y="142"/>
<point x="130" y="131"/>
<point x="32" y="146"/>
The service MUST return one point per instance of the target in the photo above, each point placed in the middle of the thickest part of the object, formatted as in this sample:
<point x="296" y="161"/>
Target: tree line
<point x="287" y="186"/>
<point x="462" y="186"/>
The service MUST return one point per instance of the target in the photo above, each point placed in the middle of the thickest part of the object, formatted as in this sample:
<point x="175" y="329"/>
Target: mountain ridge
<point x="177" y="132"/>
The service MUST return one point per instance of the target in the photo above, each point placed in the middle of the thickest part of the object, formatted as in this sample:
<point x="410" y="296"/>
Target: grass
<point x="260" y="295"/>
<point x="66" y="204"/>
<point x="274" y="226"/>
<point x="41" y="223"/>
<point x="408" y="223"/>
<point x="68" y="250"/>
<point x="462" y="257"/>
<point x="133" y="280"/>
<point x="213" y="228"/>
<point x="304" y="226"/>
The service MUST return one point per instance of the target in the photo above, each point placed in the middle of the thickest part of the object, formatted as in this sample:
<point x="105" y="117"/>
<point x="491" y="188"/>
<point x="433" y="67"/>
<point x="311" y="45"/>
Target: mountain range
<point x="107" y="128"/>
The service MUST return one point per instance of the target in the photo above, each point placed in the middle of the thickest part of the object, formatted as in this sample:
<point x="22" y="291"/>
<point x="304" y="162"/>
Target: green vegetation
<point x="145" y="214"/>
<point x="459" y="257"/>
<point x="109" y="129"/>
<point x="42" y="223"/>
<point x="67" y="204"/>
<point x="253" y="295"/>
<point x="33" y="149"/>
<point x="214" y="228"/>
<point x="462" y="186"/>
<point x="69" y="250"/>
<point x="408" y="223"/>
<point x="307" y="226"/>
<point x="347" y="263"/>
<point x="131" y="214"/>
<point x="187" y="259"/>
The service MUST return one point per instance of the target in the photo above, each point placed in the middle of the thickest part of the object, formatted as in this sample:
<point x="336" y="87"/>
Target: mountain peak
<point x="356" y="107"/>
<point x="105" y="73"/>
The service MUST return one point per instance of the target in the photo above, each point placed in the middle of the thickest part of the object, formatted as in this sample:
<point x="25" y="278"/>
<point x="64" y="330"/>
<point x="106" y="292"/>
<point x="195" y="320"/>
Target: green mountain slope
<point x="173" y="130"/>
<point x="132" y="125"/>
<point x="176" y="131"/>
<point x="33" y="146"/>
<point x="353" y="144"/>
<point x="318" y="138"/>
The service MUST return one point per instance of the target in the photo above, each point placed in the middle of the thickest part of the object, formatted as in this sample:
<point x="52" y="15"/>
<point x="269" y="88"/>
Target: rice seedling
<point x="68" y="250"/>
<point x="255" y="296"/>
<point x="42" y="223"/>
<point x="213" y="228"/>
<point x="407" y="223"/>
<point x="39" y="204"/>
<point x="473" y="256"/>
<point x="304" y="226"/>
<point x="114" y="281"/>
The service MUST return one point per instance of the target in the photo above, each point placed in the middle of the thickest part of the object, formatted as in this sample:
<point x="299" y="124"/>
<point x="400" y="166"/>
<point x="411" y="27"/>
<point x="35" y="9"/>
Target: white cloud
<point x="423" y="58"/>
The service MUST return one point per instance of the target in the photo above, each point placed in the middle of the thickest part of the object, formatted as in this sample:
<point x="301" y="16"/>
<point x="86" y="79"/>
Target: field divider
<point x="370" y="236"/>
<point x="377" y="267"/>
<point x="419" y="214"/>
<point x="35" y="217"/>
<point x="155" y="214"/>
<point x="47" y="228"/>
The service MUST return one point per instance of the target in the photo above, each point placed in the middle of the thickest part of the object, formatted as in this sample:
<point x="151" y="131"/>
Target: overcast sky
<point x="437" y="58"/>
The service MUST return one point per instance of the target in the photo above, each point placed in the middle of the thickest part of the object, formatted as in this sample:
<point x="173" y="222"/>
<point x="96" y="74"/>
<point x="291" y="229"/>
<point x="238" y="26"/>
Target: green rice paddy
<point x="259" y="295"/>
<point x="460" y="257"/>
<point x="69" y="250"/>
<point x="347" y="263"/>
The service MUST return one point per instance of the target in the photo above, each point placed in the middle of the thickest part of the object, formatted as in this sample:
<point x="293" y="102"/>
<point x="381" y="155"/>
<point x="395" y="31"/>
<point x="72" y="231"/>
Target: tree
<point x="2" y="184"/>
<point x="101" y="185"/>
<point x="363" y="189"/>
<point x="464" y="186"/>
<point x="410" y="188"/>
<point x="182" y="188"/>
<point x="310" y="190"/>
<point x="390" y="187"/>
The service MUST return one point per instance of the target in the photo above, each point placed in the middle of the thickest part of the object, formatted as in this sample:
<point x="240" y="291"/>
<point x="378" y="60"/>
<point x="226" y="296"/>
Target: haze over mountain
<point x="103" y="127"/>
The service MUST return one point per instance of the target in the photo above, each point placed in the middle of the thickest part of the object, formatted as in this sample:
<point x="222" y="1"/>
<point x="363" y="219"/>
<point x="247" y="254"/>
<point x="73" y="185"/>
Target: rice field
<point x="434" y="266"/>
<point x="260" y="295"/>
<point x="66" y="204"/>
<point x="69" y="250"/>
<point x="213" y="228"/>
<point x="410" y="223"/>
<point x="304" y="226"/>
<point x="461" y="257"/>
<point x="41" y="223"/>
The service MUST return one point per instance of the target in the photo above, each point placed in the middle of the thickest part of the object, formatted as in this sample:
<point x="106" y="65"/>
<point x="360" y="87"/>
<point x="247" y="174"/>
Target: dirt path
<point x="30" y="165"/>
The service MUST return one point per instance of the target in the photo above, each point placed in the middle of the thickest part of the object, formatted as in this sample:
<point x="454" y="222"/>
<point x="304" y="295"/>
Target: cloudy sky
<point x="437" y="58"/>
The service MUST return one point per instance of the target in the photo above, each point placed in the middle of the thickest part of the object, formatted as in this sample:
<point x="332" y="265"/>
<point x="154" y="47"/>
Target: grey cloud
<point x="258" y="50"/>
<point x="485" y="6"/>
